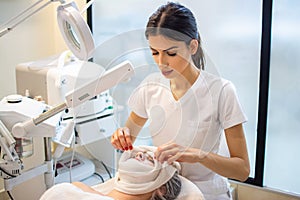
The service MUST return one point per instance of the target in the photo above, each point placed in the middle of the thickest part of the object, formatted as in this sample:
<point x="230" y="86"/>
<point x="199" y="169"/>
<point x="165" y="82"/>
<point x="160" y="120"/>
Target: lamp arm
<point x="25" y="14"/>
<point x="109" y="79"/>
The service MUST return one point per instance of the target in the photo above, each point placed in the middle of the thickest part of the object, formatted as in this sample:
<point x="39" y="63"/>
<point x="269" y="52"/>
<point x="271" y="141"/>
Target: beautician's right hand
<point x="121" y="139"/>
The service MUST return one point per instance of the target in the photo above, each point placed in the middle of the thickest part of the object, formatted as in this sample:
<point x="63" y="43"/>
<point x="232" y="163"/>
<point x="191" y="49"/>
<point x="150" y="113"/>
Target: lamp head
<point x="75" y="31"/>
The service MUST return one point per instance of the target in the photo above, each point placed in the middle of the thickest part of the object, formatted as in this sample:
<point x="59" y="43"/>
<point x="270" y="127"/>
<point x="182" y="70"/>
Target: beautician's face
<point x="172" y="57"/>
<point x="145" y="158"/>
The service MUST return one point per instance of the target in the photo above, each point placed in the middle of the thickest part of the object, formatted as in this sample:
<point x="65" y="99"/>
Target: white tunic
<point x="196" y="120"/>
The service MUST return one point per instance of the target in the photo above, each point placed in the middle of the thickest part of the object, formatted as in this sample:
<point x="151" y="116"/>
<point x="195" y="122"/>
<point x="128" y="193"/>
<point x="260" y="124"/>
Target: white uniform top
<point x="196" y="120"/>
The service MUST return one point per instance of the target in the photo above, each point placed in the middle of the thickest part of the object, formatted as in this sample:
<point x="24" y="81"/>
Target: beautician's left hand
<point x="174" y="152"/>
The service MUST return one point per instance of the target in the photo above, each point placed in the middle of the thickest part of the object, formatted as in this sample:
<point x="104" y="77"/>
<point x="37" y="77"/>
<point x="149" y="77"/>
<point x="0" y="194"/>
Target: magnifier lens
<point x="72" y="35"/>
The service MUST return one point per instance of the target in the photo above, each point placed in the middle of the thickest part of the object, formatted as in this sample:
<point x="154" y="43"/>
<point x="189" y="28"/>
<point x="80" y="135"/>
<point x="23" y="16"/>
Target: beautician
<point x="188" y="109"/>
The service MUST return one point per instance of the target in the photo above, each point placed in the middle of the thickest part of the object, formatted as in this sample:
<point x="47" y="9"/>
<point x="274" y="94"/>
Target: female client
<point x="139" y="176"/>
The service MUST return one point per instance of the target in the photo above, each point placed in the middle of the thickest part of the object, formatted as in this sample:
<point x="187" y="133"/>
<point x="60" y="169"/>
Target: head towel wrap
<point x="134" y="177"/>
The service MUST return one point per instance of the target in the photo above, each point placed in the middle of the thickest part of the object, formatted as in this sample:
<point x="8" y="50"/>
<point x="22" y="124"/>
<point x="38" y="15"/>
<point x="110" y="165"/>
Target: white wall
<point x="36" y="38"/>
<point x="30" y="40"/>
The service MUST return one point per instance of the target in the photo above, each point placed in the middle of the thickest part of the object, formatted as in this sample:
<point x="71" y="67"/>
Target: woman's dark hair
<point x="176" y="22"/>
<point x="169" y="191"/>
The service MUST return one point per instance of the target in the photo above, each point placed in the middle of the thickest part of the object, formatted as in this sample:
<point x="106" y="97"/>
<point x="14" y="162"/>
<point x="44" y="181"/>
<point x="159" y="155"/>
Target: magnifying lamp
<point x="75" y="31"/>
<point x="73" y="27"/>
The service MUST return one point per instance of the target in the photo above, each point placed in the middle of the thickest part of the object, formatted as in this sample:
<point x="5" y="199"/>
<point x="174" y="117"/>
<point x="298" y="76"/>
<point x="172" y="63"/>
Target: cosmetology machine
<point x="63" y="99"/>
<point x="94" y="119"/>
<point x="22" y="118"/>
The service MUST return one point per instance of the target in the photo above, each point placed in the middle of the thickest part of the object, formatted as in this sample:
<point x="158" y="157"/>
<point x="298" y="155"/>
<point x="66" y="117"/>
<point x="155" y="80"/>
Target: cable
<point x="95" y="173"/>
<point x="71" y="161"/>
<point x="54" y="170"/>
<point x="7" y="172"/>
<point x="10" y="195"/>
<point x="106" y="169"/>
<point x="73" y="146"/>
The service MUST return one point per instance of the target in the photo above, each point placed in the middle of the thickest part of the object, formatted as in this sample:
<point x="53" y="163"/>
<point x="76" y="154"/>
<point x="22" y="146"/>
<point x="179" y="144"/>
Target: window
<point x="282" y="149"/>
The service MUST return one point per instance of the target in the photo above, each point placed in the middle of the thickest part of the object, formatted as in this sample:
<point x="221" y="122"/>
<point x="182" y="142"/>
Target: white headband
<point x="134" y="177"/>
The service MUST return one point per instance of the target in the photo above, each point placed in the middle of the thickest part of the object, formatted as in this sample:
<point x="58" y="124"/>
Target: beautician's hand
<point x="171" y="152"/>
<point x="121" y="139"/>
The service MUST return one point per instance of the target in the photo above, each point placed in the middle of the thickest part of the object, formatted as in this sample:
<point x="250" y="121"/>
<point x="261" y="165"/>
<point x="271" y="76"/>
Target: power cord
<point x="10" y="195"/>
<point x="97" y="174"/>
<point x="106" y="169"/>
<point x="72" y="159"/>
<point x="5" y="172"/>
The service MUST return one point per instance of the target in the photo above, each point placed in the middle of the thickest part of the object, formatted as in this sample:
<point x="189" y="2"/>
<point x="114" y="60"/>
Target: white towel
<point x="68" y="191"/>
<point x="134" y="177"/>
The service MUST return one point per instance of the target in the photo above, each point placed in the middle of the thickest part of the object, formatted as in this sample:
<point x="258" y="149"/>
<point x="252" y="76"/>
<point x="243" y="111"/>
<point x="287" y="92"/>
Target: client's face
<point x="145" y="158"/>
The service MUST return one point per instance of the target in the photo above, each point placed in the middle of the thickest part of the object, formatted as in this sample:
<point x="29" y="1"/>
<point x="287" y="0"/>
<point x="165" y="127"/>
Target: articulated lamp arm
<point x="25" y="14"/>
<point x="109" y="79"/>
